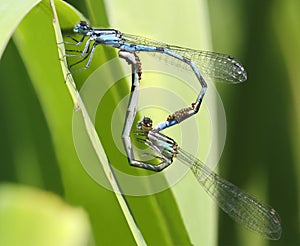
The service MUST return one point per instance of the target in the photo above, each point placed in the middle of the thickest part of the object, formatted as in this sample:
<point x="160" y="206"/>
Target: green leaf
<point x="12" y="13"/>
<point x="30" y="216"/>
<point x="43" y="66"/>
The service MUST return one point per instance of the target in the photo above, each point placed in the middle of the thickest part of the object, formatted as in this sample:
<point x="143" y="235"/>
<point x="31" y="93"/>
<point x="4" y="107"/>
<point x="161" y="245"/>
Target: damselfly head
<point x="145" y="124"/>
<point x="82" y="27"/>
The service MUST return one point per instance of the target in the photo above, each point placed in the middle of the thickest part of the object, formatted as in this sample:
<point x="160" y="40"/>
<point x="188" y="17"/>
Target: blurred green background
<point x="263" y="116"/>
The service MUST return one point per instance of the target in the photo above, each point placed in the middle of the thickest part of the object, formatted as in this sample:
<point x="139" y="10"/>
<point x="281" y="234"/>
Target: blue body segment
<point x="134" y="48"/>
<point x="165" y="124"/>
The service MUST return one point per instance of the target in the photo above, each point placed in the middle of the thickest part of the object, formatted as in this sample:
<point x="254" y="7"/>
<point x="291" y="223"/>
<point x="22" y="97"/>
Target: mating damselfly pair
<point x="240" y="206"/>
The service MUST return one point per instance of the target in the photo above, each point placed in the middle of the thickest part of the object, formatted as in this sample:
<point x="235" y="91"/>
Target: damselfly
<point x="218" y="66"/>
<point x="240" y="206"/>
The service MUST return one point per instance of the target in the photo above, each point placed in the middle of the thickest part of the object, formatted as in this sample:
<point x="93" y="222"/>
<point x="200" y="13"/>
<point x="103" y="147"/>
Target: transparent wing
<point x="240" y="206"/>
<point x="219" y="66"/>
